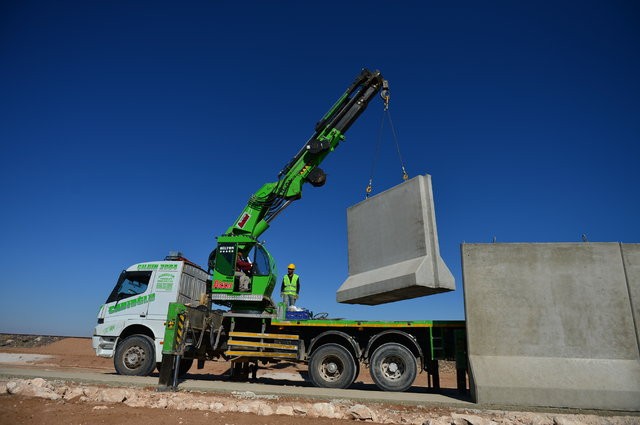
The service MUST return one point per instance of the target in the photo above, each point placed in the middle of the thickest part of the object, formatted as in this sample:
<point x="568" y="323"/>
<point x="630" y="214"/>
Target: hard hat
<point x="292" y="266"/>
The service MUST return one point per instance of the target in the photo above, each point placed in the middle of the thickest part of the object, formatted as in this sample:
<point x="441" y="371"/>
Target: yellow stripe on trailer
<point x="232" y="342"/>
<point x="260" y="354"/>
<point x="261" y="335"/>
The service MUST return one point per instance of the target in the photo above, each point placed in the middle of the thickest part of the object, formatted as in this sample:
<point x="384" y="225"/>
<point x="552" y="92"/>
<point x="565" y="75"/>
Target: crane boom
<point x="268" y="201"/>
<point x="271" y="199"/>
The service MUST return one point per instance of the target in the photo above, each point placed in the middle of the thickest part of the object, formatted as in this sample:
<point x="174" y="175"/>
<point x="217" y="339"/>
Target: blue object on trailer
<point x="298" y="315"/>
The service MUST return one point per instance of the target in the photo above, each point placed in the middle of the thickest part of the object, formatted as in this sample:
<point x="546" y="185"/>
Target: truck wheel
<point x="393" y="367"/>
<point x="185" y="365"/>
<point x="332" y="366"/>
<point x="135" y="355"/>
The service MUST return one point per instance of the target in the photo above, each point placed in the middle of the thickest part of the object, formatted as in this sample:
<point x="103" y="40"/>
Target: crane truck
<point x="243" y="324"/>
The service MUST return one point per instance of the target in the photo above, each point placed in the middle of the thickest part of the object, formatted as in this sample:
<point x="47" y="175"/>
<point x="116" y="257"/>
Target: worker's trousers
<point x="289" y="300"/>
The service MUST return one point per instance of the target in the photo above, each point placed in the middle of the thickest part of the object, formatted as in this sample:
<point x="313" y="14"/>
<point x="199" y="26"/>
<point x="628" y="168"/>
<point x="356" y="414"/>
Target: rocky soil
<point x="26" y="341"/>
<point x="280" y="410"/>
<point x="37" y="401"/>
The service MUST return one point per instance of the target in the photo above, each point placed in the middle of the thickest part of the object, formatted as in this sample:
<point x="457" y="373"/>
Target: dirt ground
<point x="77" y="353"/>
<point x="36" y="411"/>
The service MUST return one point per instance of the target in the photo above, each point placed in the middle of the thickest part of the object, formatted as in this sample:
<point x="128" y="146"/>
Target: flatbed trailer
<point x="334" y="349"/>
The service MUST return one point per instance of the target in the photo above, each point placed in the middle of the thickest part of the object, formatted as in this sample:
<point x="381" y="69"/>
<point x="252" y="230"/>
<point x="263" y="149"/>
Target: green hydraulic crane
<point x="272" y="198"/>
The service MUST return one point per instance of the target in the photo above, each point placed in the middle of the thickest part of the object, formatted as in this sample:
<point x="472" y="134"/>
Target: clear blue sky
<point x="132" y="128"/>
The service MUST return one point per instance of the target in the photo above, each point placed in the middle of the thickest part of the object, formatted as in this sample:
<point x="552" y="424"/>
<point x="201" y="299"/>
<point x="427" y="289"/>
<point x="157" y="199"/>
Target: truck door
<point x="131" y="296"/>
<point x="225" y="267"/>
<point x="166" y="288"/>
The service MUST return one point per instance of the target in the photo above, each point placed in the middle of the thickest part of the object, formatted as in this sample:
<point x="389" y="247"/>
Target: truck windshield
<point x="130" y="284"/>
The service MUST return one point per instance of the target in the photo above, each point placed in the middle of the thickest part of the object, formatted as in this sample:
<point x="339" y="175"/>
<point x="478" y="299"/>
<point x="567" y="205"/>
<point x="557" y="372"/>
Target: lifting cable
<point x="385" y="95"/>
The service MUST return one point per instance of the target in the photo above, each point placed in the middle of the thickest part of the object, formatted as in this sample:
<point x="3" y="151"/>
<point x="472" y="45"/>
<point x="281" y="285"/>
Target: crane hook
<point x="405" y="175"/>
<point x="369" y="189"/>
<point x="385" y="94"/>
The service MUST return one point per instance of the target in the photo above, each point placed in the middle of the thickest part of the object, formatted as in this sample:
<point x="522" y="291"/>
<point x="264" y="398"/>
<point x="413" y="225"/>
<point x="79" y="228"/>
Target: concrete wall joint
<point x="631" y="300"/>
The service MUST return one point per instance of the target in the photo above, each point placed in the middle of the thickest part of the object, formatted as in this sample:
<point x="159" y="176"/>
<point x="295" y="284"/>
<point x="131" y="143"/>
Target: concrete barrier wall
<point x="553" y="324"/>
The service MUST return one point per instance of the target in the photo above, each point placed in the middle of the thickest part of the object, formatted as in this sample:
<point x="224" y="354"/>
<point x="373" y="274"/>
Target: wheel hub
<point x="332" y="368"/>
<point x="393" y="368"/>
<point x="134" y="357"/>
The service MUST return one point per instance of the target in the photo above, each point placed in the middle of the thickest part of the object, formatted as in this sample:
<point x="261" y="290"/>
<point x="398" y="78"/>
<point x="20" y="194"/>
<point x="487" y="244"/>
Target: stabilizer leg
<point x="168" y="373"/>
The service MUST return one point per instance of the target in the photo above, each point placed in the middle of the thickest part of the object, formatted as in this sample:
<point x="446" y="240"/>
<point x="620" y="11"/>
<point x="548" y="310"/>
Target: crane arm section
<point x="268" y="201"/>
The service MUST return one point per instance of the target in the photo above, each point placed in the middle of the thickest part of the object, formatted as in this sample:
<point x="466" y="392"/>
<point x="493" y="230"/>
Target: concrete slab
<point x="393" y="247"/>
<point x="552" y="324"/>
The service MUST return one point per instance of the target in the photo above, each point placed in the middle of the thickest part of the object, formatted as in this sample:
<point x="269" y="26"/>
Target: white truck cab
<point x="131" y="322"/>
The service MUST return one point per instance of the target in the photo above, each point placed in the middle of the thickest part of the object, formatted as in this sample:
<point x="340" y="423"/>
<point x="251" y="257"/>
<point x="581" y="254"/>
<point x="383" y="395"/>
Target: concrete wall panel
<point x="393" y="247"/>
<point x="631" y="259"/>
<point x="551" y="325"/>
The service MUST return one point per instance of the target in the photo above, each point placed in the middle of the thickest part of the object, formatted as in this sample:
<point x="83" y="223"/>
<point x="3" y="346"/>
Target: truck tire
<point x="135" y="356"/>
<point x="393" y="367"/>
<point x="332" y="366"/>
<point x="185" y="365"/>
